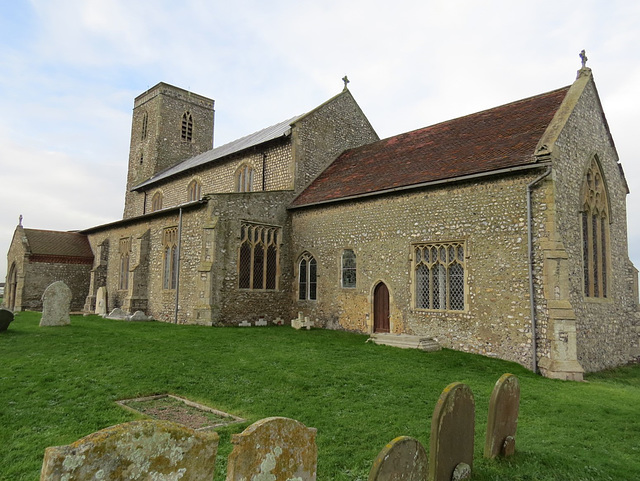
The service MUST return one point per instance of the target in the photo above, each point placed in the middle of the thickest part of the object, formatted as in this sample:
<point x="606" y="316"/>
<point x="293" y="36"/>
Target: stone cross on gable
<point x="583" y="57"/>
<point x="346" y="81"/>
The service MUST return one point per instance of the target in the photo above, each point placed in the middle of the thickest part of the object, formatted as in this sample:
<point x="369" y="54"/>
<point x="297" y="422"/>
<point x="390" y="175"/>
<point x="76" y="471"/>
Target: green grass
<point x="59" y="384"/>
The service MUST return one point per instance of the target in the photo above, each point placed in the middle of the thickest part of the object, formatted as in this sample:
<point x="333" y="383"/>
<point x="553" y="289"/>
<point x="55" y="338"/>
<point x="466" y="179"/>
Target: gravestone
<point x="274" y="449"/>
<point x="139" y="450"/>
<point x="101" y="301"/>
<point x="117" y="314"/>
<point x="403" y="459"/>
<point x="56" y="303"/>
<point x="6" y="317"/>
<point x="138" y="316"/>
<point x="503" y="417"/>
<point x="452" y="430"/>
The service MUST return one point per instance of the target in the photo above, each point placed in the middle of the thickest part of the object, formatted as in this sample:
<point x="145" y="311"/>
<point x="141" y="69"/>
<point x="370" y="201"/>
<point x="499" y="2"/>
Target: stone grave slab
<point x="403" y="459"/>
<point x="452" y="431"/>
<point x="56" y="303"/>
<point x="139" y="450"/>
<point x="503" y="417"/>
<point x="274" y="449"/>
<point x="6" y="318"/>
<point x="101" y="301"/>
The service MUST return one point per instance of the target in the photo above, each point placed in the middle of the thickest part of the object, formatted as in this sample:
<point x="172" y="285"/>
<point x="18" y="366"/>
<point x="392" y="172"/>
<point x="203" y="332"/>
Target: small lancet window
<point x="187" y="127"/>
<point x="595" y="233"/>
<point x="348" y="269"/>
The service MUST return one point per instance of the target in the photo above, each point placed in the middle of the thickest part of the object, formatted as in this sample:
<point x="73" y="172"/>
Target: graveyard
<point x="61" y="383"/>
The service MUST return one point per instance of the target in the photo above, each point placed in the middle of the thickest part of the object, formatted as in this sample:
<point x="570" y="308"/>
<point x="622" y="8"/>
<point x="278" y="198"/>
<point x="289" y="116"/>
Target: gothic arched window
<point x="595" y="233"/>
<point x="187" y="127"/>
<point x="156" y="202"/>
<point x="307" y="278"/>
<point x="244" y="179"/>
<point x="193" y="191"/>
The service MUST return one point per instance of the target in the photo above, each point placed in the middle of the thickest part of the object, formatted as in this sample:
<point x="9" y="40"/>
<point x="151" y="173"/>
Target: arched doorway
<point x="11" y="288"/>
<point x="381" y="308"/>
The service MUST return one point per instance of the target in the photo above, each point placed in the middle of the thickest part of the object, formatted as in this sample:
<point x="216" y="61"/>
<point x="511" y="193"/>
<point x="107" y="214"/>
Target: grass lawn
<point x="59" y="384"/>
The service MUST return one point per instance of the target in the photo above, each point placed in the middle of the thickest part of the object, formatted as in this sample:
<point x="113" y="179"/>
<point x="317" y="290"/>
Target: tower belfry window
<point x="145" y="121"/>
<point x="187" y="127"/>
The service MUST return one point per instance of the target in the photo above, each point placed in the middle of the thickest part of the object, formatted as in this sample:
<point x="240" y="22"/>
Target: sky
<point x="70" y="69"/>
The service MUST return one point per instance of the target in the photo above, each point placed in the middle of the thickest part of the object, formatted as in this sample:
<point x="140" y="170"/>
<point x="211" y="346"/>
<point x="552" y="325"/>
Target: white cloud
<point x="71" y="69"/>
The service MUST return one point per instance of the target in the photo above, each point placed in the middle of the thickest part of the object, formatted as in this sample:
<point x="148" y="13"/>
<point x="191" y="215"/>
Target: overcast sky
<point x="70" y="69"/>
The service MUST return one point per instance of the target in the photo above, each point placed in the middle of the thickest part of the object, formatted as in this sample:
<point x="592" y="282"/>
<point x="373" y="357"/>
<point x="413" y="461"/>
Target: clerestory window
<point x="595" y="233"/>
<point x="258" y="257"/>
<point x="156" y="201"/>
<point x="439" y="276"/>
<point x="193" y="190"/>
<point x="244" y="179"/>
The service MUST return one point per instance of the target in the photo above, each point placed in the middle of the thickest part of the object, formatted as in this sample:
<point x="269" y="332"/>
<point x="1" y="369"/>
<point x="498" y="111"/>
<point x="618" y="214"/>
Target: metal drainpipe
<point x="264" y="164"/>
<point x="534" y="345"/>
<point x="178" y="263"/>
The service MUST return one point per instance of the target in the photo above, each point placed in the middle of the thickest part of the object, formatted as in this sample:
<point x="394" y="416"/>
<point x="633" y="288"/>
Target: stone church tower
<point x="169" y="125"/>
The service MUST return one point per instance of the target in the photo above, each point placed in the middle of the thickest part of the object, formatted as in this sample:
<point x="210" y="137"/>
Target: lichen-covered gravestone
<point x="452" y="430"/>
<point x="6" y="317"/>
<point x="139" y="450"/>
<point x="403" y="459"/>
<point x="56" y="303"/>
<point x="503" y="417"/>
<point x="101" y="301"/>
<point x="274" y="449"/>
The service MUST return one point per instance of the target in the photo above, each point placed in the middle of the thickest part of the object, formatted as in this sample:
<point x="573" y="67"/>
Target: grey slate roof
<point x="270" y="133"/>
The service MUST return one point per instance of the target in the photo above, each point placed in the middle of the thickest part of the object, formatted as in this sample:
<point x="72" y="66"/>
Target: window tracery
<point x="258" y="257"/>
<point x="595" y="233"/>
<point x="439" y="276"/>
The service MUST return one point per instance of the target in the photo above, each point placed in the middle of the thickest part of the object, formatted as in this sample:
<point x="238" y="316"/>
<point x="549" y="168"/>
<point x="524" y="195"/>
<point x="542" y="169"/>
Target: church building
<point x="501" y="233"/>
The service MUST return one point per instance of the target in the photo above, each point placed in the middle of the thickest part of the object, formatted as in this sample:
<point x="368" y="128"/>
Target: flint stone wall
<point x="489" y="216"/>
<point x="604" y="326"/>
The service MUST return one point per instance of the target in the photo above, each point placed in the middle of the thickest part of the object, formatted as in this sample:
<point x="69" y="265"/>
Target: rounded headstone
<point x="56" y="303"/>
<point x="403" y="459"/>
<point x="6" y="317"/>
<point x="452" y="431"/>
<point x="502" y="420"/>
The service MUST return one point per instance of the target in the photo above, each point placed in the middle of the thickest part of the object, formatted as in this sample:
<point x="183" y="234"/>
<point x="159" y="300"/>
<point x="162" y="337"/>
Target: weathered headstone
<point x="452" y="430"/>
<point x="139" y="450"/>
<point x="101" y="301"/>
<point x="503" y="417"/>
<point x="6" y="317"/>
<point x="274" y="449"/>
<point x="56" y="303"/>
<point x="138" y="316"/>
<point x="403" y="459"/>
<point x="245" y="324"/>
<point x="117" y="314"/>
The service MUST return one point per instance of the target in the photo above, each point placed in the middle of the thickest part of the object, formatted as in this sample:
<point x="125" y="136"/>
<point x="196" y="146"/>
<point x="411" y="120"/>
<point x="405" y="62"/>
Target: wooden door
<point x="381" y="308"/>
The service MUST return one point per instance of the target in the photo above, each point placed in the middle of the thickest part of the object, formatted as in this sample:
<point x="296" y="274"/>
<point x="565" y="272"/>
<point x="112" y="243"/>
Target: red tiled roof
<point x="58" y="243"/>
<point x="494" y="139"/>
